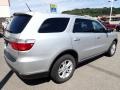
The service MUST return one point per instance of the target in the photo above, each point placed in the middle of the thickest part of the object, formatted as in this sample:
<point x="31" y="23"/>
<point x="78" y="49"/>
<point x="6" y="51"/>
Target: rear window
<point x="18" y="23"/>
<point x="54" y="25"/>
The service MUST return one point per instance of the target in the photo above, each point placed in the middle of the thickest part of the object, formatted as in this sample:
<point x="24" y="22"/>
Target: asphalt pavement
<point x="101" y="73"/>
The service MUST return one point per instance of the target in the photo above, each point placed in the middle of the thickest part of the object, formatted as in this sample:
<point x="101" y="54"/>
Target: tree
<point x="92" y="11"/>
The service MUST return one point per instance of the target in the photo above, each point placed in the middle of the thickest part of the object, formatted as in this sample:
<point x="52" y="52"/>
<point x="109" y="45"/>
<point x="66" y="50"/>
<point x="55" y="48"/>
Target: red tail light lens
<point x="21" y="46"/>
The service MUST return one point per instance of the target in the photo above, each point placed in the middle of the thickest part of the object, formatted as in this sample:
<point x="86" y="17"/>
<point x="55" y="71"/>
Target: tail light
<point x="22" y="45"/>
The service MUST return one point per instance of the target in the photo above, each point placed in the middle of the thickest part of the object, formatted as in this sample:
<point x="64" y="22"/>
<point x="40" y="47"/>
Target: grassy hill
<point x="92" y="11"/>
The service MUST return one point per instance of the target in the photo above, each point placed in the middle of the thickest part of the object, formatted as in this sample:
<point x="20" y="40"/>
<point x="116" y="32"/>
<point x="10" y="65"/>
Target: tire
<point x="117" y="29"/>
<point x="60" y="72"/>
<point x="112" y="49"/>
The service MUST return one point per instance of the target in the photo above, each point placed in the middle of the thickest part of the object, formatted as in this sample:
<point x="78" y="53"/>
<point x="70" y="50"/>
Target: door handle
<point x="98" y="37"/>
<point x="76" y="39"/>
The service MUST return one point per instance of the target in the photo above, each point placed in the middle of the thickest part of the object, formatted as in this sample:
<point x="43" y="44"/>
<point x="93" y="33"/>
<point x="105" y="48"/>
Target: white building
<point x="4" y="11"/>
<point x="4" y="8"/>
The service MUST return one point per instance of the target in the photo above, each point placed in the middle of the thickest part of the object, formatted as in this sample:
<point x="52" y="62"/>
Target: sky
<point x="62" y="5"/>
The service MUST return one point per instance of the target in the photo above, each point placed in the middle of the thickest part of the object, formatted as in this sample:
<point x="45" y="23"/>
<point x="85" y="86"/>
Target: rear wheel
<point x="112" y="49"/>
<point x="63" y="68"/>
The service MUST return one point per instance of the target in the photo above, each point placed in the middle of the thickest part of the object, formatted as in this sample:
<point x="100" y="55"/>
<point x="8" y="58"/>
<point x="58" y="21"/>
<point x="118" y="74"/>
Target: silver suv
<point x="38" y="45"/>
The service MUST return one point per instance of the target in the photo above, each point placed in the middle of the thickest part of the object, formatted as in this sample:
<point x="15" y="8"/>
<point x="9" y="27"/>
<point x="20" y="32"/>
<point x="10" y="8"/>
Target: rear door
<point x="12" y="32"/>
<point x="83" y="38"/>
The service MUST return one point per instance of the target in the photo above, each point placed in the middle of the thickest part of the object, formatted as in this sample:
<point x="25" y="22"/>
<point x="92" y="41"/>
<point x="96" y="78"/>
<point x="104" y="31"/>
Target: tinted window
<point x="18" y="23"/>
<point x="54" y="25"/>
<point x="98" y="27"/>
<point x="83" y="25"/>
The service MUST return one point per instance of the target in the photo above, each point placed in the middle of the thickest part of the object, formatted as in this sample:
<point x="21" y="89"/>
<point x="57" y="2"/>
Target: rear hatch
<point x="13" y="31"/>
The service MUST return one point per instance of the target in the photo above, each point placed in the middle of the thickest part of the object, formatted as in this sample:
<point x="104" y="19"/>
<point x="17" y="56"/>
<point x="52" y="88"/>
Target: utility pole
<point x="111" y="9"/>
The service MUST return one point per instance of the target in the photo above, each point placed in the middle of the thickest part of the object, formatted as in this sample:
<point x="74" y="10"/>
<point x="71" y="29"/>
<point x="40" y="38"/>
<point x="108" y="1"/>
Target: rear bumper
<point x="35" y="76"/>
<point x="27" y="67"/>
<point x="32" y="76"/>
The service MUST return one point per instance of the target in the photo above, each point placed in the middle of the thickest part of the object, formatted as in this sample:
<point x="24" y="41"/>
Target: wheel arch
<point x="117" y="28"/>
<point x="70" y="51"/>
<point x="116" y="40"/>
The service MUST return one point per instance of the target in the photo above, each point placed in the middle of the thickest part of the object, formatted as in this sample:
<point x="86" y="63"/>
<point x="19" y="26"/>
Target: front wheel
<point x="118" y="29"/>
<point x="63" y="68"/>
<point x="112" y="49"/>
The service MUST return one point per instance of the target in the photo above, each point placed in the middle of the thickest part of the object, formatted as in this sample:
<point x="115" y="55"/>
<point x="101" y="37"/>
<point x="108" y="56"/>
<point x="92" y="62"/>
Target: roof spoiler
<point x="21" y="14"/>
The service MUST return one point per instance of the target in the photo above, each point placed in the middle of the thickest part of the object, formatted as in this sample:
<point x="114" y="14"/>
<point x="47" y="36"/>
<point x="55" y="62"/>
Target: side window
<point x="83" y="25"/>
<point x="52" y="25"/>
<point x="98" y="27"/>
